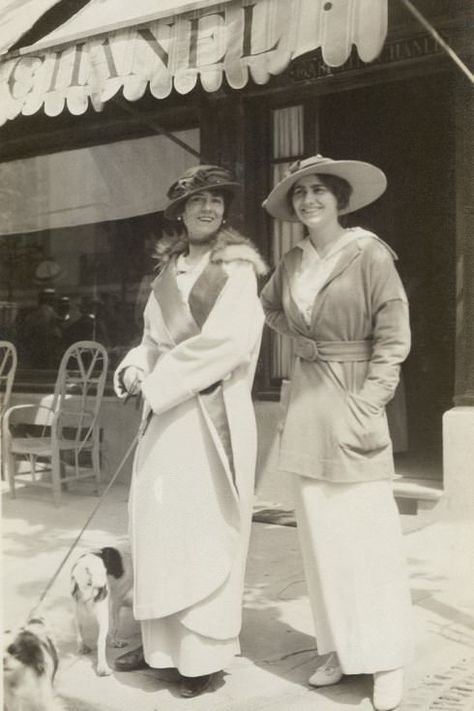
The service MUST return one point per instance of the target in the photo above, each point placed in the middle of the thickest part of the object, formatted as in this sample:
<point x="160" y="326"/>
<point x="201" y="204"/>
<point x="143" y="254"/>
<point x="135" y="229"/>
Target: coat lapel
<point x="293" y="264"/>
<point x="176" y="314"/>
<point x="184" y="320"/>
<point x="205" y="292"/>
<point x="349" y="253"/>
<point x="202" y="299"/>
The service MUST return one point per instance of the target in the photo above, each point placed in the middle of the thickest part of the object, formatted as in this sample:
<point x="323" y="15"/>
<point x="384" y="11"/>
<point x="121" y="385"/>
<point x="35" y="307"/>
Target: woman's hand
<point x="365" y="428"/>
<point x="131" y="379"/>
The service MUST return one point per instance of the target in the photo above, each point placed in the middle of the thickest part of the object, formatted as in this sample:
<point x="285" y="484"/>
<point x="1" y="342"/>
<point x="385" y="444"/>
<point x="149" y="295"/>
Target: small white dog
<point x="101" y="583"/>
<point x="30" y="662"/>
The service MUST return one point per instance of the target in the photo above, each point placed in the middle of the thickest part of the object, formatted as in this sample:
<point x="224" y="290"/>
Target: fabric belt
<point x="342" y="351"/>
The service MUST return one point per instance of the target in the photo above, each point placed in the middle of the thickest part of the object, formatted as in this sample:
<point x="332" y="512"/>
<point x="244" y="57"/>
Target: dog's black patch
<point x="102" y="593"/>
<point x="48" y="643"/>
<point x="51" y="647"/>
<point x="28" y="649"/>
<point x="75" y="591"/>
<point x="112" y="561"/>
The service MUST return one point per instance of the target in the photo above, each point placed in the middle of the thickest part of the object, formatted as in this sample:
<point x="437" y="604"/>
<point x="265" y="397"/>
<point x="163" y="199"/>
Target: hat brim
<point x="366" y="180"/>
<point x="173" y="209"/>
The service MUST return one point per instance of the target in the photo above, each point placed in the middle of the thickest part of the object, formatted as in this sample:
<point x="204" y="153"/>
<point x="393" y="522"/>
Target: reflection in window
<point x="89" y="282"/>
<point x="74" y="253"/>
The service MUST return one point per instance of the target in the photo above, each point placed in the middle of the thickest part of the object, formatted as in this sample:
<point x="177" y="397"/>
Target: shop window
<point x="75" y="256"/>
<point x="88" y="282"/>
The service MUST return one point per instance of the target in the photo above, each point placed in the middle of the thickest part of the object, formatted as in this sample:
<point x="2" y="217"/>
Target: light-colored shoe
<point x="388" y="689"/>
<point x="328" y="673"/>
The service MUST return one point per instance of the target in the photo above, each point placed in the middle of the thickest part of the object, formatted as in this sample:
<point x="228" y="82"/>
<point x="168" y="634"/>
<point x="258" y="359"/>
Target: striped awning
<point x="91" y="185"/>
<point x="90" y="58"/>
<point x="17" y="16"/>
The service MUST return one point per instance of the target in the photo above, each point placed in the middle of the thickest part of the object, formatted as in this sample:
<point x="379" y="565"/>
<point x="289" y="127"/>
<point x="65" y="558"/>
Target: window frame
<point x="258" y="181"/>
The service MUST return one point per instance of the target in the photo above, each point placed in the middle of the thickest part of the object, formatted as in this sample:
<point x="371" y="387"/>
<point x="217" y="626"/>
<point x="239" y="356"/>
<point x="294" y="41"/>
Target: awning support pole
<point x="158" y="129"/>
<point x="449" y="51"/>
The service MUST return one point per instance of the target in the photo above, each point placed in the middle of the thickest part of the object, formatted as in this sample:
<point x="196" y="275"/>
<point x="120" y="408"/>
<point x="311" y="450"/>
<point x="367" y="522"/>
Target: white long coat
<point x="190" y="510"/>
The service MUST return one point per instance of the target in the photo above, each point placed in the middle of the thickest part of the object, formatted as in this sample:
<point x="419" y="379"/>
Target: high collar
<point x="310" y="252"/>
<point x="358" y="234"/>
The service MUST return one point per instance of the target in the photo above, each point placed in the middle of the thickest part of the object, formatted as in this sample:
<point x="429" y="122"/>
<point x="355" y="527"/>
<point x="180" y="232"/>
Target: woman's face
<point x="314" y="204"/>
<point x="203" y="214"/>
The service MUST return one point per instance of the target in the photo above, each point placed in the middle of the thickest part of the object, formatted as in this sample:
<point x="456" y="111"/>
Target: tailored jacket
<point x="347" y="362"/>
<point x="192" y="485"/>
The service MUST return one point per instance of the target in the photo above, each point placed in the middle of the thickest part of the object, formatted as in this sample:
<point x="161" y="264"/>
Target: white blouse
<point x="187" y="275"/>
<point x="308" y="280"/>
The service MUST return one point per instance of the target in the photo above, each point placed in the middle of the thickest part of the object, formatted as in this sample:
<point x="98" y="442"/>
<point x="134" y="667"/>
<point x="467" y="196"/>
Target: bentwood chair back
<point x="60" y="441"/>
<point x="8" y="365"/>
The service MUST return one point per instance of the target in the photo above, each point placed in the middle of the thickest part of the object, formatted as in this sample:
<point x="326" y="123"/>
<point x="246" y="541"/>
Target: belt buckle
<point x="312" y="351"/>
<point x="307" y="349"/>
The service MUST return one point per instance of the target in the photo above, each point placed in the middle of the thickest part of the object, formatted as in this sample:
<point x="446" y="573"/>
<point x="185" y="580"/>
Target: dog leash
<point x="133" y="443"/>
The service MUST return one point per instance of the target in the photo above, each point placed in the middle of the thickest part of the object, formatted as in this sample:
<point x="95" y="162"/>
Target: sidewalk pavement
<point x="278" y="649"/>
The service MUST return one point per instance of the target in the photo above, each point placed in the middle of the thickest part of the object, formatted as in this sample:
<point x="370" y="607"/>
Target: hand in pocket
<point x="365" y="426"/>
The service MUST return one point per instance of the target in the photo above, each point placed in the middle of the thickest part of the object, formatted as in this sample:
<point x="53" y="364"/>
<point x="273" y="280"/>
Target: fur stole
<point x="229" y="246"/>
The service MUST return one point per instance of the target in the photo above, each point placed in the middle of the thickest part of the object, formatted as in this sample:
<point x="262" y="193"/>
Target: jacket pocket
<point x="364" y="429"/>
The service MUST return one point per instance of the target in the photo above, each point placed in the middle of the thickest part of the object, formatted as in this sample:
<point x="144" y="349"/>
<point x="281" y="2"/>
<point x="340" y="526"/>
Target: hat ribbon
<point x="307" y="162"/>
<point x="201" y="179"/>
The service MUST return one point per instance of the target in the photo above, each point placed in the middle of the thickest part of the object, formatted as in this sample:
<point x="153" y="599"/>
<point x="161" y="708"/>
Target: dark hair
<point x="339" y="187"/>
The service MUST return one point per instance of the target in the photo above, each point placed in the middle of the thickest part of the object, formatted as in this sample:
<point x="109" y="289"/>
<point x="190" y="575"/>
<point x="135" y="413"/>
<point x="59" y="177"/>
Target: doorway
<point x="406" y="129"/>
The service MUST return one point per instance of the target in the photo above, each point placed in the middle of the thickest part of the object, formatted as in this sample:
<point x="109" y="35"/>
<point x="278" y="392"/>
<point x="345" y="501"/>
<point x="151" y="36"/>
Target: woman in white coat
<point x="192" y="487"/>
<point x="338" y="295"/>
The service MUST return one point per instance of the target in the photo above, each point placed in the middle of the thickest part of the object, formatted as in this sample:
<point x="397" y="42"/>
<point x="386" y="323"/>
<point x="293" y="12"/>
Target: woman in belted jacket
<point x="338" y="295"/>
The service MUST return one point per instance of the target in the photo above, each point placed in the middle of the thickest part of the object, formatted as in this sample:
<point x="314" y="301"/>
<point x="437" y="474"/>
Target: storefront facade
<point x="404" y="106"/>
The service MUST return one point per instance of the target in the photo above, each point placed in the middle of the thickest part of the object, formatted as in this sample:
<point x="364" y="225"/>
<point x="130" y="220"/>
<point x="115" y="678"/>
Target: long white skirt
<point x="351" y="542"/>
<point x="168" y="643"/>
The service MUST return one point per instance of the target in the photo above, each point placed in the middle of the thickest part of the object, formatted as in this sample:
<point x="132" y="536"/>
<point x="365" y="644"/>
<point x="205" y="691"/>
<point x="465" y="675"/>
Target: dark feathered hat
<point x="194" y="180"/>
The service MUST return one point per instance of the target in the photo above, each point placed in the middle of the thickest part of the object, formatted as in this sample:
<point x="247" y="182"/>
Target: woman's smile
<point x="203" y="214"/>
<point x="311" y="210"/>
<point x="313" y="203"/>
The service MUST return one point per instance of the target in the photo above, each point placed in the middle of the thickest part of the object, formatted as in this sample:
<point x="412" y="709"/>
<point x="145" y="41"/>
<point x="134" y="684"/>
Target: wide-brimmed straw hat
<point x="194" y="180"/>
<point x="367" y="183"/>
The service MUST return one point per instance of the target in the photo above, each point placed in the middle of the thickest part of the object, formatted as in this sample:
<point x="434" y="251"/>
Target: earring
<point x="224" y="221"/>
<point x="179" y="218"/>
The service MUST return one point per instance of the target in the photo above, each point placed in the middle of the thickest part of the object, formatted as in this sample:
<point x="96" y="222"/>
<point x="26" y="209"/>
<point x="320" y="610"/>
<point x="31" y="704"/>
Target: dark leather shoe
<point x="131" y="661"/>
<point x="194" y="685"/>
